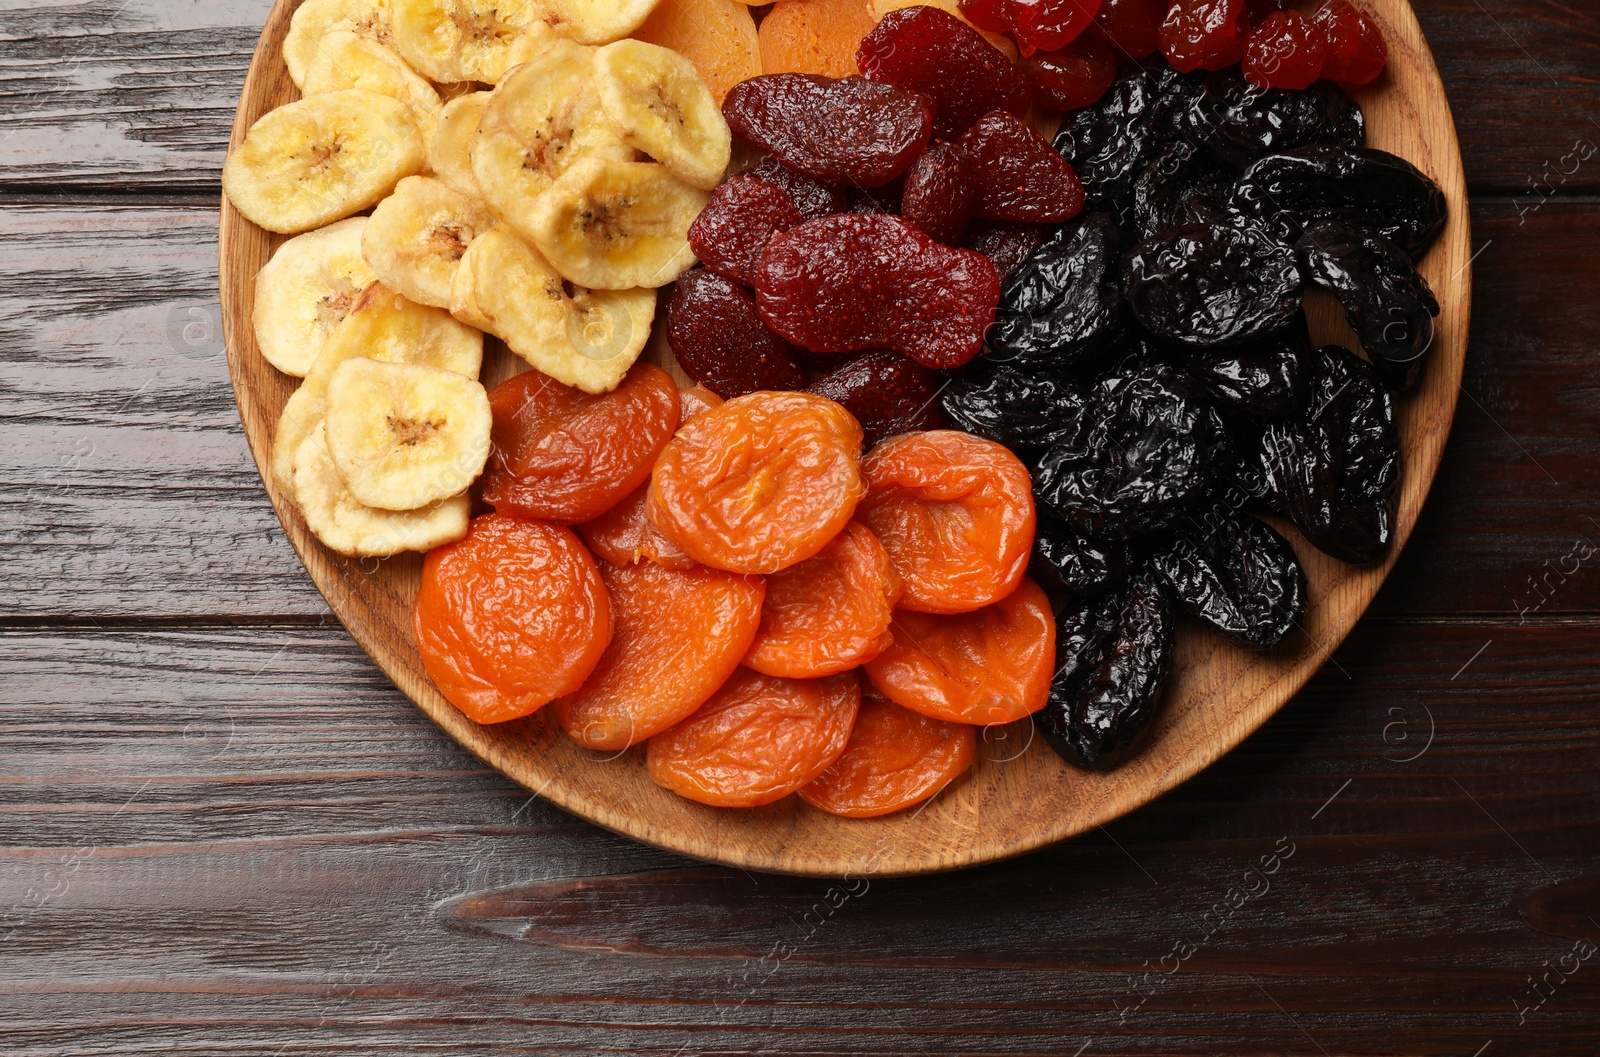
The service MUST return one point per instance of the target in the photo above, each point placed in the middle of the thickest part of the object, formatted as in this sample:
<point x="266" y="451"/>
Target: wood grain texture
<point x="1019" y="795"/>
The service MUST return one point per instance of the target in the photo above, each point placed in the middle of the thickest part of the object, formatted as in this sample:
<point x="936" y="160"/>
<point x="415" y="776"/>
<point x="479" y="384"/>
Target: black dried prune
<point x="1237" y="575"/>
<point x="1334" y="466"/>
<point x="1026" y="412"/>
<point x="1214" y="284"/>
<point x="1239" y="122"/>
<point x="1110" y="142"/>
<point x="1266" y="377"/>
<point x="1386" y="302"/>
<point x="1066" y="560"/>
<point x="1114" y="653"/>
<point x="1063" y="304"/>
<point x="1367" y="187"/>
<point x="1183" y="184"/>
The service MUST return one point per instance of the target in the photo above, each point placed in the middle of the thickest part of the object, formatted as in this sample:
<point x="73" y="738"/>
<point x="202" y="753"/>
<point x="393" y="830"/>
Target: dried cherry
<point x="733" y="230"/>
<point x="1240" y="122"/>
<point x="1133" y="27"/>
<point x="1018" y="175"/>
<point x="1207" y="34"/>
<point x="1356" y="52"/>
<point x="886" y="392"/>
<point x="894" y="758"/>
<point x="1049" y="25"/>
<point x="1236" y="575"/>
<point x="717" y="335"/>
<point x="940" y="191"/>
<point x="1064" y="305"/>
<point x="1284" y="51"/>
<point x="812" y="197"/>
<point x="1076" y="75"/>
<point x="1212" y="284"/>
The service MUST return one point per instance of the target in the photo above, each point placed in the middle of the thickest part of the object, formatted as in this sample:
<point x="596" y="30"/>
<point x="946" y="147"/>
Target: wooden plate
<point x="1020" y="796"/>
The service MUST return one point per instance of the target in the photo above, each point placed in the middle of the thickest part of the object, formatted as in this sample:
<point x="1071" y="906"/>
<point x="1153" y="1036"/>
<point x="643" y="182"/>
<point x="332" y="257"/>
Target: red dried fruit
<point x="1050" y="25"/>
<point x="878" y="200"/>
<point x="886" y="392"/>
<point x="991" y="15"/>
<point x="1133" y="27"/>
<point x="718" y="337"/>
<point x="940" y="192"/>
<point x="1018" y="174"/>
<point x="732" y="232"/>
<point x="1285" y="51"/>
<point x="933" y="52"/>
<point x="1356" y="52"/>
<point x="1077" y="75"/>
<point x="1007" y="243"/>
<point x="851" y="131"/>
<point x="1208" y="33"/>
<point x="867" y="282"/>
<point x="812" y="197"/>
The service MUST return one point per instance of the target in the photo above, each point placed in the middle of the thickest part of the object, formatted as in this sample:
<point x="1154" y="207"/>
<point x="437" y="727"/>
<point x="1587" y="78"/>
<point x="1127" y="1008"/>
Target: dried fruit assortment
<point x="797" y="577"/>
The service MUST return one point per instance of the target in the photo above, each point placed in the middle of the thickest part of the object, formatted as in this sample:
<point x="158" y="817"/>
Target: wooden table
<point x="221" y="830"/>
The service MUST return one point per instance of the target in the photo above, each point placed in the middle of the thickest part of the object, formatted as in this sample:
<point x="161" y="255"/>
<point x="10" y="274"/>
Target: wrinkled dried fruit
<point x="719" y="340"/>
<point x="1207" y="34"/>
<point x="812" y="197"/>
<point x="935" y="53"/>
<point x="624" y="535"/>
<point x="1133" y="27"/>
<point x="895" y="758"/>
<point x="1237" y="575"/>
<point x="1110" y="143"/>
<point x="940" y="192"/>
<point x="1239" y="122"/>
<point x="1265" y="378"/>
<point x="1066" y="560"/>
<point x="1006" y="243"/>
<point x="1064" y="305"/>
<point x="886" y="392"/>
<point x="1356" y="52"/>
<point x="1049" y="25"/>
<point x="1018" y="175"/>
<point x="1212" y="284"/>
<point x="1026" y="412"/>
<point x="732" y="233"/>
<point x="1284" y="51"/>
<point x="1183" y="184"/>
<point x="1075" y="76"/>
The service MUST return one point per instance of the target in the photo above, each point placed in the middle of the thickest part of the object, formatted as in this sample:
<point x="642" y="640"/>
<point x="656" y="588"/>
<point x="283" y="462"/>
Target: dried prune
<point x="933" y="52"/>
<point x="1266" y="377"/>
<point x="1144" y="448"/>
<point x="812" y="197"/>
<point x="719" y="340"/>
<point x="939" y="191"/>
<point x="1133" y="27"/>
<point x="1356" y="52"/>
<point x="1207" y="34"/>
<point x="1386" y="302"/>
<point x="1110" y="143"/>
<point x="1237" y="575"/>
<point x="1334" y="466"/>
<point x="1018" y="175"/>
<point x="1064" y="304"/>
<point x="1212" y="284"/>
<point x="1064" y="559"/>
<point x="1026" y="412"/>
<point x="1006" y="243"/>
<point x="1075" y="76"/>
<point x="732" y="231"/>
<point x="1113" y="654"/>
<point x="1240" y="122"/>
<point x="886" y="392"/>
<point x="850" y="131"/>
<point x="1368" y="187"/>
<point x="1183" y="184"/>
<point x="862" y="282"/>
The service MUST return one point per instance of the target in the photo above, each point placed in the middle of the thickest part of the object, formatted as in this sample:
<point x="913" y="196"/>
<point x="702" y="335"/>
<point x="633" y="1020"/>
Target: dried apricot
<point x="988" y="667"/>
<point x="695" y="402"/>
<point x="679" y="635"/>
<point x="565" y="455"/>
<point x="894" y="758"/>
<point x="761" y="483"/>
<point x="511" y="617"/>
<point x="814" y="36"/>
<point x="758" y="740"/>
<point x="830" y="613"/>
<point x="718" y="36"/>
<point x="624" y="535"/>
<point x="955" y="513"/>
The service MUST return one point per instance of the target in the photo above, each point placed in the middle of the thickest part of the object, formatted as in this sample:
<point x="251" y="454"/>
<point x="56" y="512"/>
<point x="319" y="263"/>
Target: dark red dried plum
<point x="1018" y="175"/>
<point x="812" y="197"/>
<point x="732" y="232"/>
<point x="1006" y="243"/>
<point x="1182" y="185"/>
<point x="1214" y="284"/>
<point x="719" y="339"/>
<point x="1334" y="466"/>
<point x="886" y="392"/>
<point x="1240" y="122"/>
<point x="1237" y="575"/>
<point x="867" y="282"/>
<point x="933" y="52"/>
<point x="851" y="131"/>
<point x="939" y="191"/>
<point x="1266" y="378"/>
<point x="1065" y="560"/>
<point x="1064" y="304"/>
<point x="1025" y="411"/>
<point x="1387" y="303"/>
<point x="1367" y="187"/>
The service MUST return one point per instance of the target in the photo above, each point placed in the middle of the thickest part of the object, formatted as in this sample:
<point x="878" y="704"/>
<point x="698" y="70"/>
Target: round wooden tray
<point x="1019" y="796"/>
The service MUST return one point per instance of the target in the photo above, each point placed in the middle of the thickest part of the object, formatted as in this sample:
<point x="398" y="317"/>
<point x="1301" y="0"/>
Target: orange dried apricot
<point x="510" y="617"/>
<point x="564" y="455"/>
<point x="679" y="635"/>
<point x="696" y="402"/>
<point x="815" y="36"/>
<point x="830" y="613"/>
<point x="623" y="535"/>
<point x="758" y="740"/>
<point x="955" y="513"/>
<point x="988" y="667"/>
<point x="895" y="758"/>
<point x="718" y="36"/>
<point x="761" y="483"/>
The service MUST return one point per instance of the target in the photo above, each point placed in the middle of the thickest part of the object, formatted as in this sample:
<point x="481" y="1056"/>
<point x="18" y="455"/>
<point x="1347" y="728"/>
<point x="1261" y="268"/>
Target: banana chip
<point x="659" y="104"/>
<point x="344" y="59"/>
<point x="306" y="290"/>
<point x="597" y="21"/>
<point x="450" y="152"/>
<point x="346" y="525"/>
<point x="417" y="236"/>
<point x="315" y="19"/>
<point x="461" y="40"/>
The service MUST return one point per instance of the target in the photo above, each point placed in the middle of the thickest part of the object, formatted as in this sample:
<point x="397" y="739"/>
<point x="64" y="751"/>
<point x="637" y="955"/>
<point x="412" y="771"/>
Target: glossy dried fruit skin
<point x="1066" y="560"/>
<point x="1007" y="244"/>
<point x="717" y="335"/>
<point x="653" y="675"/>
<point x="940" y="191"/>
<point x="1110" y="143"/>
<point x="1266" y="378"/>
<point x="1334" y="466"/>
<point x="761" y="483"/>
<point x="812" y="197"/>
<point x="1017" y="173"/>
<point x="624" y="535"/>
<point x="955" y="513"/>
<point x="933" y="52"/>
<point x="1284" y="51"/>
<point x="1049" y="25"/>
<point x="1240" y="123"/>
<point x="1024" y="410"/>
<point x="1208" y="285"/>
<point x="1064" y="306"/>
<point x="987" y="667"/>
<point x="886" y="392"/>
<point x="1133" y="27"/>
<point x="1356" y="52"/>
<point x="564" y="455"/>
<point x="850" y="131"/>
<point x="511" y="617"/>
<point x="1182" y="185"/>
<point x="830" y="613"/>
<point x="1387" y="303"/>
<point x="1366" y="187"/>
<point x="863" y="282"/>
<point x="758" y="740"/>
<point x="1236" y="575"/>
<point x="895" y="758"/>
<point x="1208" y="34"/>
<point x="732" y="233"/>
<point x="1114" y="655"/>
<point x="1077" y="75"/>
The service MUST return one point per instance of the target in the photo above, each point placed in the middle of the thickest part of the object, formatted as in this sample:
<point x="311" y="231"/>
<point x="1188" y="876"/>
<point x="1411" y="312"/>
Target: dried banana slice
<point x="346" y="525"/>
<point x="583" y="338"/>
<point x="597" y="21"/>
<point x="344" y="59"/>
<point x="315" y="19"/>
<point x="417" y="236"/>
<point x="461" y="40"/>
<point x="306" y="290"/>
<point x="450" y="151"/>
<point x="614" y="225"/>
<point x="322" y="159"/>
<point x="301" y="417"/>
<point x="405" y="436"/>
<point x="660" y="104"/>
